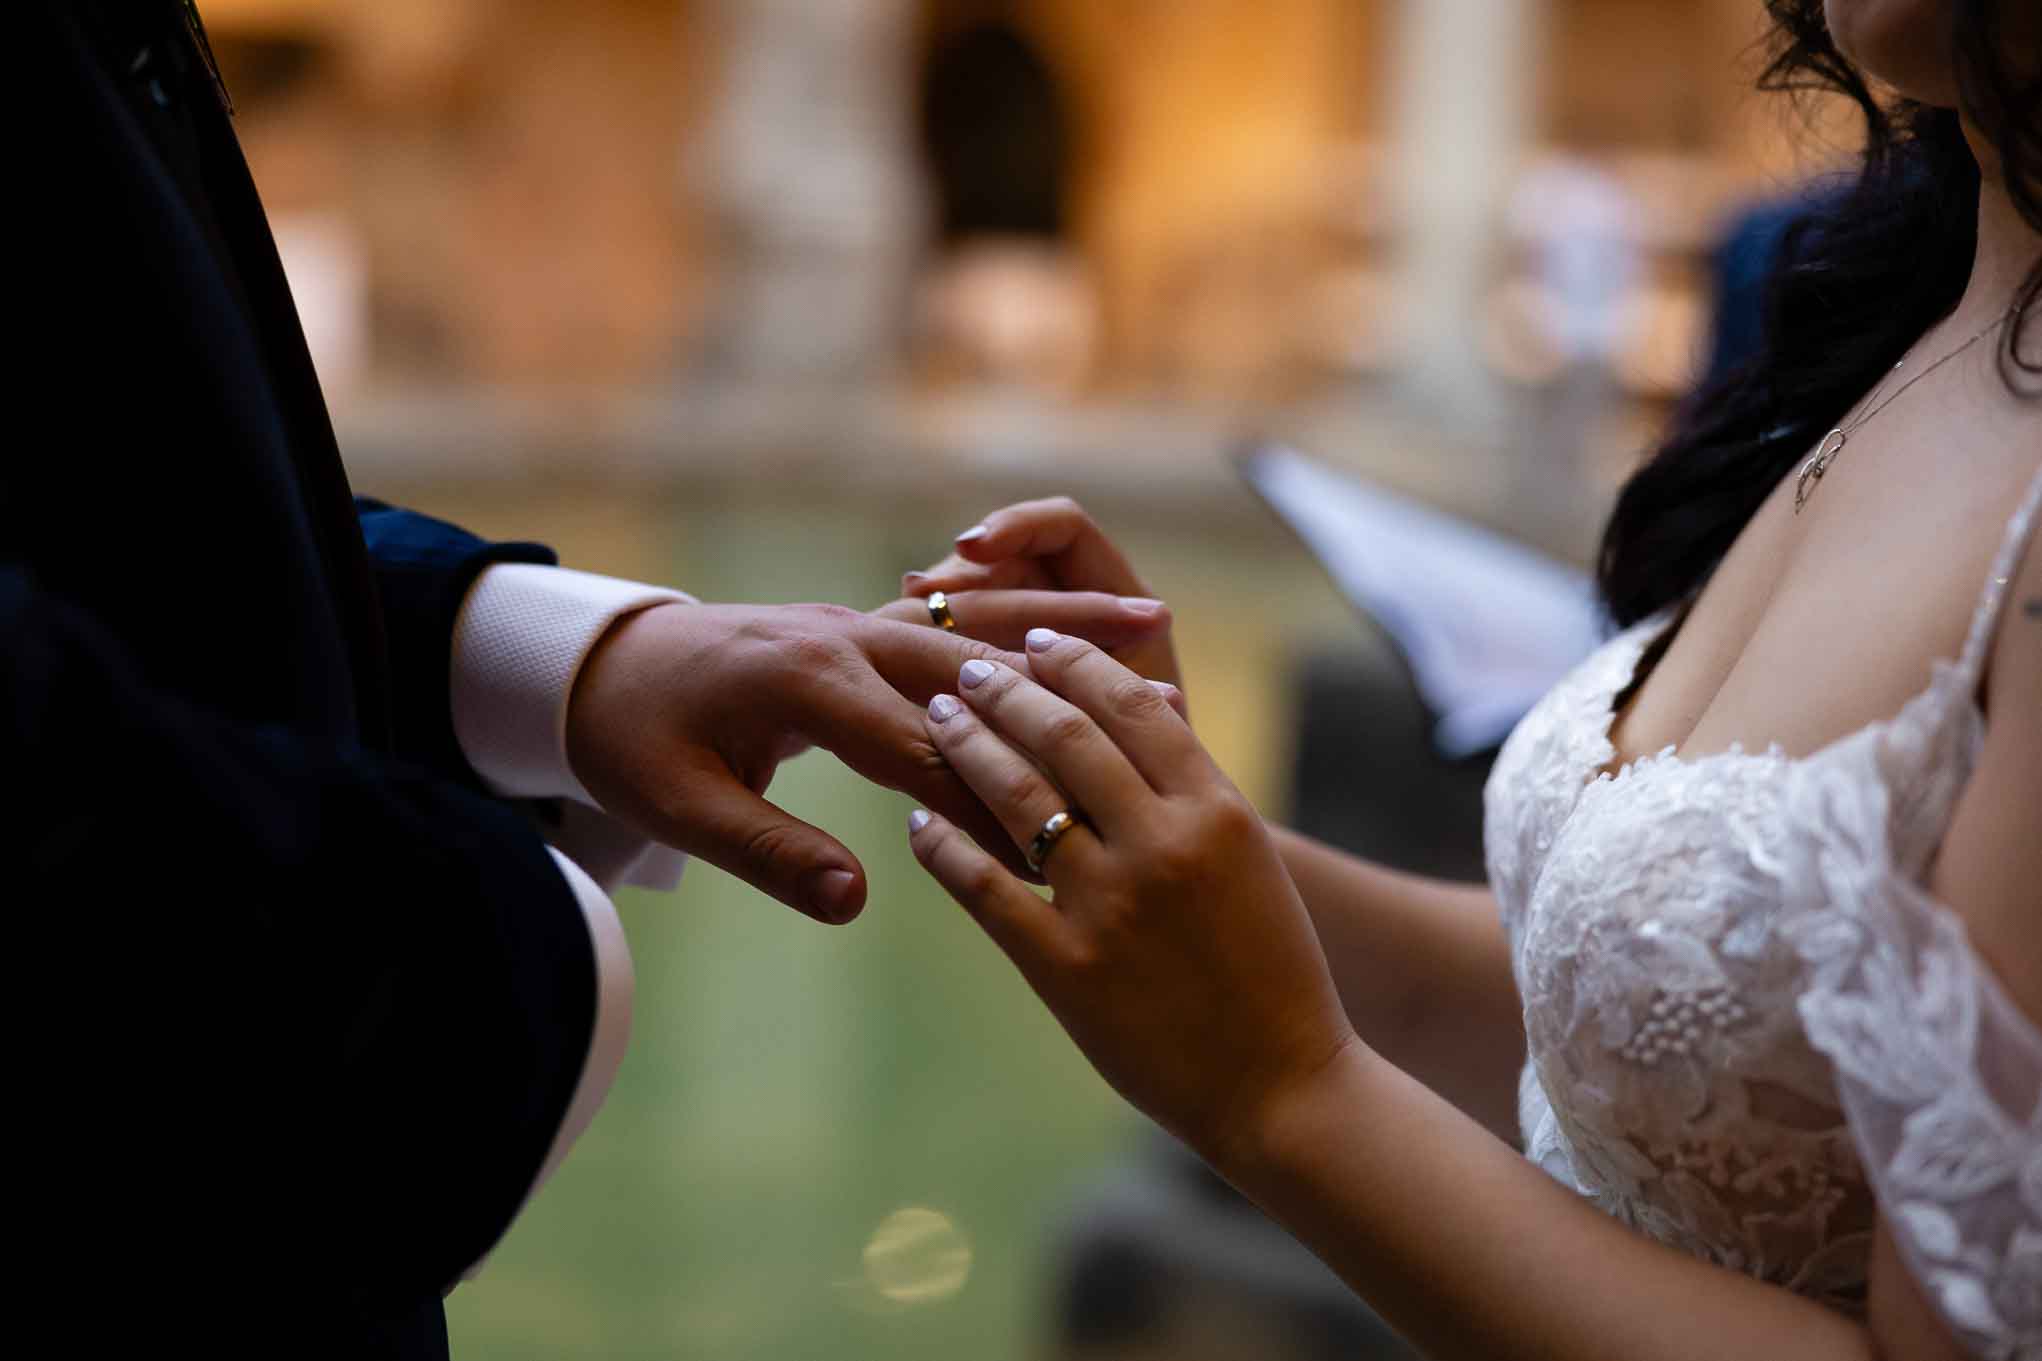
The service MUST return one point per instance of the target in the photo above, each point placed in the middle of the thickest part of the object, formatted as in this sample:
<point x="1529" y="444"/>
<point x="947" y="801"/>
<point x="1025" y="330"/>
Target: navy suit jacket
<point x="304" y="1005"/>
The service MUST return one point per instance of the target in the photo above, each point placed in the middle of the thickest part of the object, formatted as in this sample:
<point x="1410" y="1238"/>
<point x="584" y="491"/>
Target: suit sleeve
<point x="323" y="1011"/>
<point x="424" y="569"/>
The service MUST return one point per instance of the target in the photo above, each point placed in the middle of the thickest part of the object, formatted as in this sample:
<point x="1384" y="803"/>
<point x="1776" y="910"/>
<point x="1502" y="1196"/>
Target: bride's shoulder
<point x="2012" y="610"/>
<point x="1991" y="858"/>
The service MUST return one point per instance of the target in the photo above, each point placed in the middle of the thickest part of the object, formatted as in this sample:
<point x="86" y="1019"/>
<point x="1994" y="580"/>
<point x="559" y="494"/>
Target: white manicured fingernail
<point x="1042" y="640"/>
<point x="1140" y="604"/>
<point x="917" y="820"/>
<point x="973" y="674"/>
<point x="943" y="708"/>
<point x="975" y="532"/>
<point x="1164" y="686"/>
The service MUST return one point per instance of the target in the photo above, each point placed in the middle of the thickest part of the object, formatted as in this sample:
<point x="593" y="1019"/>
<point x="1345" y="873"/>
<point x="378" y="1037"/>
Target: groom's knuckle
<point x="834" y="617"/>
<point x="1084" y="960"/>
<point x="924" y="757"/>
<point x="974" y="650"/>
<point x="768" y="850"/>
<point x="905" y="611"/>
<point x="1078" y="953"/>
<point x="677" y="807"/>
<point x="811" y="654"/>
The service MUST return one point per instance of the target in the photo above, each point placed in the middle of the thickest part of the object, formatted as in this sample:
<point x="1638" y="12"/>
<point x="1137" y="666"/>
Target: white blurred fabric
<point x="1486" y="624"/>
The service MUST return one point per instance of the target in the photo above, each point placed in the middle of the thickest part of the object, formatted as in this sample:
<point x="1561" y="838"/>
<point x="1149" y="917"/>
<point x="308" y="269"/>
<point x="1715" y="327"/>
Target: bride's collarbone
<point x="1817" y="625"/>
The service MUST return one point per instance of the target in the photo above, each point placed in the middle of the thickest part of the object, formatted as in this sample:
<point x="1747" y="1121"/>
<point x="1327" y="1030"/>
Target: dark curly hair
<point x="1868" y="269"/>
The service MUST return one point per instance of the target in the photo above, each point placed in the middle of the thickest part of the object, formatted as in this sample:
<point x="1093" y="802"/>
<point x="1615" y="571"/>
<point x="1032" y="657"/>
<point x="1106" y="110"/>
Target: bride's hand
<point x="1176" y="951"/>
<point x="1052" y="545"/>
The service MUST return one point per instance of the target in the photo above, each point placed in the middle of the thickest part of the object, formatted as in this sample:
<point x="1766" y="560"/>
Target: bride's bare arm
<point x="1423" y="971"/>
<point x="1470" y="1251"/>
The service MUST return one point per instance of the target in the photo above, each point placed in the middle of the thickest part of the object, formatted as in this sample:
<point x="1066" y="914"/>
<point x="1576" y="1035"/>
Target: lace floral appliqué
<point x="1745" y="1014"/>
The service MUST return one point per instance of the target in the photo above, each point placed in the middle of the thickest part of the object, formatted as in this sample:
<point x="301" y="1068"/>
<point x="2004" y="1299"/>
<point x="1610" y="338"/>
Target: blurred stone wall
<point x="509" y="169"/>
<point x="604" y="192"/>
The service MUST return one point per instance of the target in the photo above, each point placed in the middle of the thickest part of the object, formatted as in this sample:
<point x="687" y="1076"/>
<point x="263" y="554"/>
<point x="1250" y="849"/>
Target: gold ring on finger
<point x="939" y="612"/>
<point x="1053" y="829"/>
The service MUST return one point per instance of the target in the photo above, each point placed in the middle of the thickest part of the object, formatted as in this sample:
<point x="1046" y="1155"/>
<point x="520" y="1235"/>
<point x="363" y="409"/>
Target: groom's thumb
<point x="776" y="853"/>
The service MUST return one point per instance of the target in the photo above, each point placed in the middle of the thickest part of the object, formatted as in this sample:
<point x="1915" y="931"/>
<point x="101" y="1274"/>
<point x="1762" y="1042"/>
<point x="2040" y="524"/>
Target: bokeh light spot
<point x="917" y="1256"/>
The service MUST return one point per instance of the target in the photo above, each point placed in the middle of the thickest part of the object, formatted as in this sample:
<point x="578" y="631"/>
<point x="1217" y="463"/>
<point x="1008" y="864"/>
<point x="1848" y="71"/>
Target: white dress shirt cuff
<point x="614" y="855"/>
<point x="520" y="639"/>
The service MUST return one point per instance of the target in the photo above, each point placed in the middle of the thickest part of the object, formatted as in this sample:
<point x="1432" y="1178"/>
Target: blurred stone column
<point x="810" y="171"/>
<point x="1463" y="111"/>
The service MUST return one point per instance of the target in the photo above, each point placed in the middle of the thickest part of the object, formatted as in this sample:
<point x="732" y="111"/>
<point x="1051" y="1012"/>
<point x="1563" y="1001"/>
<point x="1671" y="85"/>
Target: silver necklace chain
<point x="1833" y="442"/>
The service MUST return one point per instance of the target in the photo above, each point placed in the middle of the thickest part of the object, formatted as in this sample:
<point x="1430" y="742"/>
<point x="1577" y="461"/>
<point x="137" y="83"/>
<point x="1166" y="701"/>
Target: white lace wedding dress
<point x="1747" y="1019"/>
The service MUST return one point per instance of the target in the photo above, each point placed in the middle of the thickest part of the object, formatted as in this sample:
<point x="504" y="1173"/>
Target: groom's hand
<point x="681" y="714"/>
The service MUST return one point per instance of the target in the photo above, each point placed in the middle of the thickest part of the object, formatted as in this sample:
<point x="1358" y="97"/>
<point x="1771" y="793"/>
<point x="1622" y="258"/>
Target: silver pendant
<point x="1812" y="471"/>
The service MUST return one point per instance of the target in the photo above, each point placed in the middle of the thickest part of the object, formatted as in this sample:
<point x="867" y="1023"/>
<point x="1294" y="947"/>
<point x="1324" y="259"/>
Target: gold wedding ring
<point x="939" y="612"/>
<point x="1052" y="831"/>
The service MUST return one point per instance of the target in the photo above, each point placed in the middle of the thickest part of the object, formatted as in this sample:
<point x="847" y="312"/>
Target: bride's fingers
<point x="1003" y="618"/>
<point x="1031" y="727"/>
<point x="956" y="574"/>
<point x="1059" y="532"/>
<point x="1019" y="922"/>
<point x="1019" y="796"/>
<point x="1135" y="713"/>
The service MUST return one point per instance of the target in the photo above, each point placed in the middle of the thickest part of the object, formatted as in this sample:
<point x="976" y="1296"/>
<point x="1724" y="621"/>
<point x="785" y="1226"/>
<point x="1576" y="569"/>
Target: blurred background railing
<point x="766" y="298"/>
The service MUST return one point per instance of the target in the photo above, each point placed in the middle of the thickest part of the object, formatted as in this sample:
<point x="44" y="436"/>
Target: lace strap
<point x="1986" y="618"/>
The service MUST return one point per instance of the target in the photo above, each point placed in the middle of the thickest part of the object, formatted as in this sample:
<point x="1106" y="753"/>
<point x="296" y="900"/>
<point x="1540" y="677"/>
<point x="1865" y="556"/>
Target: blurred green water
<point x="788" y="1086"/>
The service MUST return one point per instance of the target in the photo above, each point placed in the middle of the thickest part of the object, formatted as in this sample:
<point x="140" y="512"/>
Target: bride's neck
<point x="2008" y="244"/>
